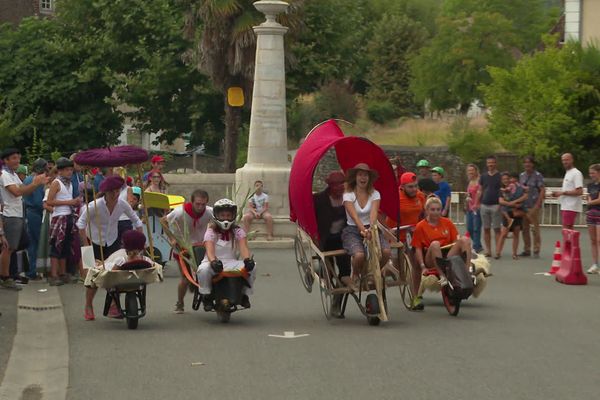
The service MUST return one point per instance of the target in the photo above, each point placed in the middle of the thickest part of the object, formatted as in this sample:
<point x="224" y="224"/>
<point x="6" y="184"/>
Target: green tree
<point x="394" y="41"/>
<point x="529" y="18"/>
<point x="138" y="48"/>
<point x="225" y="51"/>
<point x="449" y="69"/>
<point x="45" y="87"/>
<point x="548" y="103"/>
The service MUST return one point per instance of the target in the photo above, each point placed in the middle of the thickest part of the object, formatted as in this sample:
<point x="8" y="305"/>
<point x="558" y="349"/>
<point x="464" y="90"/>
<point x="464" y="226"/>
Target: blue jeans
<point x="474" y="229"/>
<point x="34" y="225"/>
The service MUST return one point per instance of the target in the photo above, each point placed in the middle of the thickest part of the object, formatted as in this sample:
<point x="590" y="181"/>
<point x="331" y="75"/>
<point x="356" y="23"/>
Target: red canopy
<point x="350" y="150"/>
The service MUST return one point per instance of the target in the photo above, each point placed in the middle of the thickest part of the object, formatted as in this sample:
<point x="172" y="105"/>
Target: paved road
<point x="527" y="337"/>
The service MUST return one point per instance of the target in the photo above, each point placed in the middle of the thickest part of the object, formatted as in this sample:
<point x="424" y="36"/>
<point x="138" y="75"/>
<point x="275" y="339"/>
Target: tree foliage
<point x="394" y="41"/>
<point x="448" y="71"/>
<point x="549" y="103"/>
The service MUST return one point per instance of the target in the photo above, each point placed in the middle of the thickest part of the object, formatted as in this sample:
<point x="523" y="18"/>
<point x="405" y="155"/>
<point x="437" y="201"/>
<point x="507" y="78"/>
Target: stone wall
<point x="409" y="156"/>
<point x="217" y="185"/>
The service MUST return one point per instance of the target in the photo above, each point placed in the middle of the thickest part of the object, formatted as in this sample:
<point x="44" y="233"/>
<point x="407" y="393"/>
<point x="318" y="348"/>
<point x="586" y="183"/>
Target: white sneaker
<point x="443" y="281"/>
<point x="593" y="270"/>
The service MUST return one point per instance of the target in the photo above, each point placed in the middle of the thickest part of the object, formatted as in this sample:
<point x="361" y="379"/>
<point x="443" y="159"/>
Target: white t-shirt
<point x="103" y="222"/>
<point x="363" y="213"/>
<point x="13" y="205"/>
<point x="259" y="201"/>
<point x="182" y="224"/>
<point x="573" y="179"/>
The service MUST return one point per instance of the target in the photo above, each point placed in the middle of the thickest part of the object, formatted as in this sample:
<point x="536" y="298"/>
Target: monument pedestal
<point x="267" y="142"/>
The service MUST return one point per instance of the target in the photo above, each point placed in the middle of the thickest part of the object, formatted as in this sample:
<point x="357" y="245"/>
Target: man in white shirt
<point x="12" y="191"/>
<point x="188" y="223"/>
<point x="570" y="194"/>
<point x="258" y="208"/>
<point x="100" y="219"/>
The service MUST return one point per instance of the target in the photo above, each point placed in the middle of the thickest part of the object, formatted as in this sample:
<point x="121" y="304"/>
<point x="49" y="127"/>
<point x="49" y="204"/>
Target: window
<point x="46" y="5"/>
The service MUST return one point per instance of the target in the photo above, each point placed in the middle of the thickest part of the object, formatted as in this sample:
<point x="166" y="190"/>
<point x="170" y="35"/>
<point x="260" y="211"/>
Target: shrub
<point x="469" y="143"/>
<point x="336" y="100"/>
<point x="381" y="111"/>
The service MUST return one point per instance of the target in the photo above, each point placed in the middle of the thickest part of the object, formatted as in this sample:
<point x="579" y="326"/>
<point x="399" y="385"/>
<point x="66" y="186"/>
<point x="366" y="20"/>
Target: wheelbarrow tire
<point x="131" y="310"/>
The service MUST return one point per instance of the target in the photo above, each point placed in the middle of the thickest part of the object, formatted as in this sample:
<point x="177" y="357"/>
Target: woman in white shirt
<point x="361" y="202"/>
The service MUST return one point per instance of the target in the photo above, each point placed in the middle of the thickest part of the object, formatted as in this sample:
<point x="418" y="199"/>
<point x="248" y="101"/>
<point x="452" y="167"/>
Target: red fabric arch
<point x="350" y="150"/>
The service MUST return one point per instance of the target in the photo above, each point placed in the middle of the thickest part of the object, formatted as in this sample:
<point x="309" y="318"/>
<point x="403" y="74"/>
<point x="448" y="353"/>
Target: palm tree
<point x="225" y="47"/>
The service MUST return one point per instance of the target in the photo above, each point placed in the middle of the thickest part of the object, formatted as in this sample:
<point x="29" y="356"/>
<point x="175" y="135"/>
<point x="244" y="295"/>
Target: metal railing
<point x="550" y="213"/>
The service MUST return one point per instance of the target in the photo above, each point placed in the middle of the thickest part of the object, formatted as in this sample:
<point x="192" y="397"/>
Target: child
<point x="512" y="192"/>
<point x="222" y="239"/>
<point x="258" y="208"/>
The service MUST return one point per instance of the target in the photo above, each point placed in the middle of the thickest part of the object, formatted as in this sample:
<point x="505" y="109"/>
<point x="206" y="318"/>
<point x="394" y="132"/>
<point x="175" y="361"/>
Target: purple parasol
<point x="112" y="156"/>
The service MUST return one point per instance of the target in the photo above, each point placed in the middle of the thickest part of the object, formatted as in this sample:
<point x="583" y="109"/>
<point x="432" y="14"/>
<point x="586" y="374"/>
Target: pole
<point x="145" y="216"/>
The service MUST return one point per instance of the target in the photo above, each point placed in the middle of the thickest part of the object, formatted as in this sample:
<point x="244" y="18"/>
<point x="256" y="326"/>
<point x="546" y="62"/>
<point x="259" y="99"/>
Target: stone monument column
<point x="267" y="148"/>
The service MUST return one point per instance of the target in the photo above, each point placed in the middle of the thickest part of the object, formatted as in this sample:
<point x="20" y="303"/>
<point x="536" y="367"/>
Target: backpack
<point x="458" y="276"/>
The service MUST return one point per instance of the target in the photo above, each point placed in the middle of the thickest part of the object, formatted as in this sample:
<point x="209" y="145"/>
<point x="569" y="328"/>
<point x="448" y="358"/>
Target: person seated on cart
<point x="361" y="202"/>
<point x="412" y="210"/>
<point x="188" y="223"/>
<point x="331" y="220"/>
<point x="222" y="240"/>
<point x="432" y="236"/>
<point x="134" y="244"/>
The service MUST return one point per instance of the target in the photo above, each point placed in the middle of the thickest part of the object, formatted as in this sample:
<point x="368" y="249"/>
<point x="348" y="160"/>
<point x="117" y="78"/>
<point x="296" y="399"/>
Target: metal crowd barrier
<point x="550" y="215"/>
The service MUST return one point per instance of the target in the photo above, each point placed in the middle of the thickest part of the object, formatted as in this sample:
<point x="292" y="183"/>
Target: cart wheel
<point x="326" y="287"/>
<point x="406" y="289"/>
<point x="303" y="263"/>
<point x="372" y="309"/>
<point x="131" y="308"/>
<point x="224" y="316"/>
<point x="452" y="305"/>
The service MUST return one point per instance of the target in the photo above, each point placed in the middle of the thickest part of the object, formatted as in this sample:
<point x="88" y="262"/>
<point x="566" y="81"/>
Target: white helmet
<point x="224" y="205"/>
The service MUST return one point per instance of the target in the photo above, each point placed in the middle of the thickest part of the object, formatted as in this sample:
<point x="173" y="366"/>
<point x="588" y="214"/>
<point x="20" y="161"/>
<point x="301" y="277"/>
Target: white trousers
<point x="205" y="274"/>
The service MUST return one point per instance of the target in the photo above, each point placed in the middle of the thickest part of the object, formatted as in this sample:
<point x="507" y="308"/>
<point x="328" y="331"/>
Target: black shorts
<point x="517" y="223"/>
<point x="106" y="250"/>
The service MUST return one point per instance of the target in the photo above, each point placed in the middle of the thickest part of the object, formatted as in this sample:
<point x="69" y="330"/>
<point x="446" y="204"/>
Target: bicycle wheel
<point x="452" y="305"/>
<point x="303" y="264"/>
<point x="406" y="277"/>
<point x="325" y="288"/>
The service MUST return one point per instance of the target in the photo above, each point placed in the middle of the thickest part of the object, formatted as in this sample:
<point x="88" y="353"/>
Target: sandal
<point x="515" y="257"/>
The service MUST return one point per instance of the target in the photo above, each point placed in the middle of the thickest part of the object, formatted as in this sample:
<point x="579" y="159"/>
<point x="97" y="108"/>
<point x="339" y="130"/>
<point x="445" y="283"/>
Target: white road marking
<point x="290" y="335"/>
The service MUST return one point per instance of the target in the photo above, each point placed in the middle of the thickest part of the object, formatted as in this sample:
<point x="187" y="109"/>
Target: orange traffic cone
<point x="556" y="259"/>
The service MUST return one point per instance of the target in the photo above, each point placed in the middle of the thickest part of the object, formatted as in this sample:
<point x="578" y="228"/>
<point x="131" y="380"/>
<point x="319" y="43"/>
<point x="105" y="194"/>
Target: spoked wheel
<point x="452" y="305"/>
<point x="131" y="309"/>
<point x="303" y="263"/>
<point x="406" y="288"/>
<point x="372" y="309"/>
<point x="325" y="288"/>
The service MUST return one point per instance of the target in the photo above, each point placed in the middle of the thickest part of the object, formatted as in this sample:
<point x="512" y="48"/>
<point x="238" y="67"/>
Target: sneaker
<point x="417" y="304"/>
<point x="178" y="308"/>
<point x="525" y="254"/>
<point x="443" y="281"/>
<point x="9" y="284"/>
<point x="245" y="302"/>
<point x="56" y="282"/>
<point x="114" y="312"/>
<point x="66" y="278"/>
<point x="593" y="270"/>
<point x="89" y="314"/>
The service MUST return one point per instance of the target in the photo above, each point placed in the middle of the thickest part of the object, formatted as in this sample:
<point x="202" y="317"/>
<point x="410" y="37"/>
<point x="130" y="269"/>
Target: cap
<point x="423" y="164"/>
<point x="39" y="165"/>
<point x="134" y="240"/>
<point x="113" y="182"/>
<point x="9" y="152"/>
<point x="63" y="162"/>
<point x="157" y="159"/>
<point x="408" y="177"/>
<point x="439" y="170"/>
<point x="136" y="190"/>
<point x="22" y="169"/>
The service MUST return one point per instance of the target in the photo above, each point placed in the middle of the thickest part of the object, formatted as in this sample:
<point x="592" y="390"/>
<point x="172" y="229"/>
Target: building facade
<point x="13" y="11"/>
<point x="582" y="20"/>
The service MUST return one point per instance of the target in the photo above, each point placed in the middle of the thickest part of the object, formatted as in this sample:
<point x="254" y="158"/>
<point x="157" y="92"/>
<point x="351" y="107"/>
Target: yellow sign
<point x="235" y="96"/>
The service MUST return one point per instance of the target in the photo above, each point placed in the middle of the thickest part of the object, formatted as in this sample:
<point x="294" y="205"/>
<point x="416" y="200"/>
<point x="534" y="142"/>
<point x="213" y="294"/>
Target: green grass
<point x="407" y="132"/>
